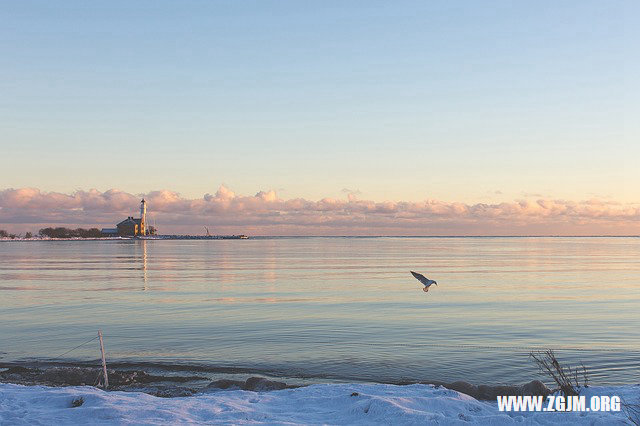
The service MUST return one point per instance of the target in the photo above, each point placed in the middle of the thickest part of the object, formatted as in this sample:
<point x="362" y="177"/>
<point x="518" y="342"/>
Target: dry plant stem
<point x="565" y="377"/>
<point x="632" y="411"/>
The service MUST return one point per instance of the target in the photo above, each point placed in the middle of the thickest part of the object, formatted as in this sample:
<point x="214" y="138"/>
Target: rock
<point x="77" y="402"/>
<point x="257" y="384"/>
<point x="490" y="393"/>
<point x="172" y="392"/>
<point x="535" y="388"/>
<point x="464" y="387"/>
<point x="261" y="384"/>
<point x="226" y="384"/>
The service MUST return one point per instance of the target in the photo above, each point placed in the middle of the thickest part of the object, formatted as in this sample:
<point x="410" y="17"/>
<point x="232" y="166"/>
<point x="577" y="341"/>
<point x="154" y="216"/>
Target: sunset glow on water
<point x="330" y="308"/>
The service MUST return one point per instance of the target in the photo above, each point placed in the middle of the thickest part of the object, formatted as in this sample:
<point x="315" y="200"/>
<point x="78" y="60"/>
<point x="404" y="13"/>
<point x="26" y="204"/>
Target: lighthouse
<point x="143" y="217"/>
<point x="131" y="227"/>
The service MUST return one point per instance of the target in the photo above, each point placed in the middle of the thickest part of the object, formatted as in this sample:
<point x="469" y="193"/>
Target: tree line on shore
<point x="59" y="232"/>
<point x="70" y="233"/>
<point x="62" y="232"/>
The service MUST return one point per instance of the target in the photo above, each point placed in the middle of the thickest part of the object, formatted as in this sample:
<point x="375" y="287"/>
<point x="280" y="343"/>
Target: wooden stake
<point x="104" y="362"/>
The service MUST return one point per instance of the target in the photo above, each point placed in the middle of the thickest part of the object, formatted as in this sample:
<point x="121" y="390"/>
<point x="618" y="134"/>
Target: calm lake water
<point x="330" y="308"/>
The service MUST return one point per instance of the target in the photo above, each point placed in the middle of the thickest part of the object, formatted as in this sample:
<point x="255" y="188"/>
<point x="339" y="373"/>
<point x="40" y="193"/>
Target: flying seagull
<point x="424" y="280"/>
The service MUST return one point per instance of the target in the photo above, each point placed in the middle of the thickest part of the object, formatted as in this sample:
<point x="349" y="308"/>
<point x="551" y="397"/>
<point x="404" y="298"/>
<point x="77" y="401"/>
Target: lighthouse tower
<point x="143" y="217"/>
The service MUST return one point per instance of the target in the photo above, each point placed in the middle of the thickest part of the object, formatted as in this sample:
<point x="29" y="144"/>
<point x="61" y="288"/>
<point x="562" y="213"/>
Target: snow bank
<point x="316" y="404"/>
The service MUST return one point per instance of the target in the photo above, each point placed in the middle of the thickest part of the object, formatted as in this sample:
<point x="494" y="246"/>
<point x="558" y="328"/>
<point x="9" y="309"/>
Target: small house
<point x="130" y="227"/>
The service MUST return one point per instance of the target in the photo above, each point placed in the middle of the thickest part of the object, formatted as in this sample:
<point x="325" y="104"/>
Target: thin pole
<point x="104" y="363"/>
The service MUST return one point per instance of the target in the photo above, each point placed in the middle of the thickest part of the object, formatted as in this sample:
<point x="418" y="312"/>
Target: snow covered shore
<point x="316" y="404"/>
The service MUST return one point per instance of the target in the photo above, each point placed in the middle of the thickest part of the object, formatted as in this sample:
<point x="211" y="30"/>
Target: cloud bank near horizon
<point x="267" y="214"/>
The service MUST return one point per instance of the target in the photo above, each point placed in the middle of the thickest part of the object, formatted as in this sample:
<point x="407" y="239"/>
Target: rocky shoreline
<point x="171" y="385"/>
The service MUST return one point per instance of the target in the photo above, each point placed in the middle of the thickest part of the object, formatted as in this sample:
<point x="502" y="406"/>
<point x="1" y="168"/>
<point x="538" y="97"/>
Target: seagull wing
<point x="424" y="280"/>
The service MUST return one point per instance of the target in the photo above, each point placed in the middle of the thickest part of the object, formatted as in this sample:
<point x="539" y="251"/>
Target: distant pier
<point x="194" y="237"/>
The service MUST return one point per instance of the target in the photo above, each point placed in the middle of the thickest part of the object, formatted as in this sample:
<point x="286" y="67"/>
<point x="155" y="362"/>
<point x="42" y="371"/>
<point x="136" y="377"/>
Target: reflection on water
<point x="331" y="307"/>
<point x="144" y="263"/>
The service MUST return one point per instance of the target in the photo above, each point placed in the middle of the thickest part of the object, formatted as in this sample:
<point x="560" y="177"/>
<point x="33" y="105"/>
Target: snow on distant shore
<point x="316" y="404"/>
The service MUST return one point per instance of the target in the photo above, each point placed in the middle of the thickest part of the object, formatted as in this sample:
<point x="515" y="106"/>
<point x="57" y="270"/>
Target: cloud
<point x="265" y="213"/>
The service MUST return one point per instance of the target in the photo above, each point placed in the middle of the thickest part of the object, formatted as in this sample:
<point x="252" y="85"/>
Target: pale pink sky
<point x="402" y="101"/>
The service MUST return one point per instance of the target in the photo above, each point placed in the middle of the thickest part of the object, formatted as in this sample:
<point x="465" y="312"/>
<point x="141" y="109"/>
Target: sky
<point x="494" y="103"/>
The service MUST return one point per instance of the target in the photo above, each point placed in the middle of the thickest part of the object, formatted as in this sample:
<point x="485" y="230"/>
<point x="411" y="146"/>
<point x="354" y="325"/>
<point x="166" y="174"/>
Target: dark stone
<point x="226" y="384"/>
<point x="77" y="402"/>
<point x="261" y="384"/>
<point x="463" y="387"/>
<point x="122" y="378"/>
<point x="490" y="393"/>
<point x="172" y="391"/>
<point x="535" y="388"/>
<point x="355" y="394"/>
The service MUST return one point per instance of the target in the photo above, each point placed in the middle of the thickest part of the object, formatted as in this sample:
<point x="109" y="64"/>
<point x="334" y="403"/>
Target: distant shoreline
<point x="260" y="237"/>
<point x="155" y="238"/>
